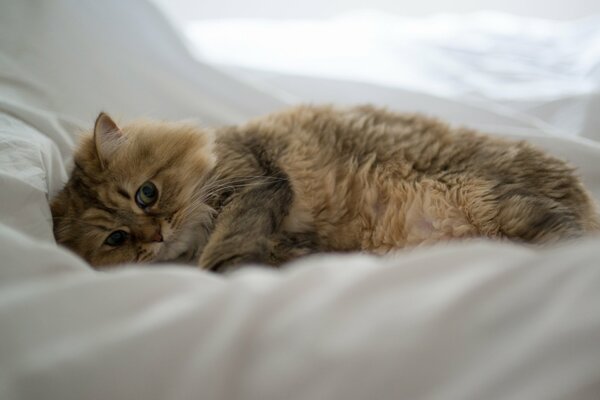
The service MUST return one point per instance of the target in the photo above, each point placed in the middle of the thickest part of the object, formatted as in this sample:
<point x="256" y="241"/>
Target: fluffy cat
<point x="308" y="179"/>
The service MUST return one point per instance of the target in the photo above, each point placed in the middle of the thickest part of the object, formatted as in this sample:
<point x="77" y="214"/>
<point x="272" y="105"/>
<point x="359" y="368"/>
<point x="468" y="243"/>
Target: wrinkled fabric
<point x="478" y="321"/>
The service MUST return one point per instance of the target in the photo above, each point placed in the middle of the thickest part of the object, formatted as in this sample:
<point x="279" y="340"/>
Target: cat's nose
<point x="157" y="237"/>
<point x="150" y="233"/>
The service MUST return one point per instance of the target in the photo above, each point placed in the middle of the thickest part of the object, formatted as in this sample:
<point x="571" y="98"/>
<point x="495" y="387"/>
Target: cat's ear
<point x="107" y="137"/>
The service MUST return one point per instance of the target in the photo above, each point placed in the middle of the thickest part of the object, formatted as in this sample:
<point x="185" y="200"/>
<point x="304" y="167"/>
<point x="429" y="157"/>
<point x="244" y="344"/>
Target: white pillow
<point x="31" y="167"/>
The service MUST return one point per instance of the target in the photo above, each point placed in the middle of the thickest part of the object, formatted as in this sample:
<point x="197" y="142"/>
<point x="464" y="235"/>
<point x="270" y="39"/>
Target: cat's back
<point x="350" y="167"/>
<point x="361" y="174"/>
<point x="351" y="131"/>
<point x="403" y="145"/>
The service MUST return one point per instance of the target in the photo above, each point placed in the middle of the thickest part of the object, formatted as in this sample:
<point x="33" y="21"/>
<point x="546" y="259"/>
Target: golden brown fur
<point x="98" y="199"/>
<point x="313" y="179"/>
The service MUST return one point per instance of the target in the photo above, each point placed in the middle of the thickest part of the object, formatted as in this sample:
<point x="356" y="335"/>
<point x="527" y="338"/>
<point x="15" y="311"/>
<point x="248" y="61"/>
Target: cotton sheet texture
<point x="476" y="321"/>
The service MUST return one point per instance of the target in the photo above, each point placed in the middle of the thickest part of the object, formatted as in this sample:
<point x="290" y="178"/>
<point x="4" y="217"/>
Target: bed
<point x="478" y="320"/>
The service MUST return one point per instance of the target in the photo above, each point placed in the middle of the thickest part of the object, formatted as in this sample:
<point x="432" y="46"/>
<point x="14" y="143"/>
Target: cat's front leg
<point x="246" y="226"/>
<point x="229" y="255"/>
<point x="274" y="251"/>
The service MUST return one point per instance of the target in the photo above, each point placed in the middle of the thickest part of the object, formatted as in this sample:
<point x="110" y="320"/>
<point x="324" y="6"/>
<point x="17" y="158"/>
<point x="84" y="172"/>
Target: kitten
<point x="309" y="179"/>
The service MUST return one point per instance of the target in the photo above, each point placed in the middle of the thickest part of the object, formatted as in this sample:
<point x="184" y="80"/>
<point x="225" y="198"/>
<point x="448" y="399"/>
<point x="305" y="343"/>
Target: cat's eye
<point x="146" y="195"/>
<point x="117" y="238"/>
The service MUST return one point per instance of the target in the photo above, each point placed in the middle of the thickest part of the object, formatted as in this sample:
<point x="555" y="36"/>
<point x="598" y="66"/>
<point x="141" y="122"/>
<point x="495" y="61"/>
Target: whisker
<point x="208" y="191"/>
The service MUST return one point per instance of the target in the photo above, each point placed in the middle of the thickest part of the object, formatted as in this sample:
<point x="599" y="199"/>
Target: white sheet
<point x="477" y="321"/>
<point x="464" y="322"/>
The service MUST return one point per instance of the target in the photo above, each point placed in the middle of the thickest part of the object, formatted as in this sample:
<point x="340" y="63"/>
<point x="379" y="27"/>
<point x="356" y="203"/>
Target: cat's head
<point x="135" y="193"/>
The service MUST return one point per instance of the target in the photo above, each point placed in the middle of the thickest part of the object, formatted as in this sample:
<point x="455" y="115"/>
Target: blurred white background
<point x="537" y="60"/>
<point x="195" y="9"/>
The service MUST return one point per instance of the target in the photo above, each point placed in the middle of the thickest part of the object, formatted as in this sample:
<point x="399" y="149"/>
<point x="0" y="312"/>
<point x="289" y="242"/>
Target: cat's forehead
<point x="109" y="196"/>
<point x="131" y="161"/>
<point x="135" y="166"/>
<point x="97" y="214"/>
<point x="149" y="149"/>
<point x="126" y="176"/>
<point x="103" y="218"/>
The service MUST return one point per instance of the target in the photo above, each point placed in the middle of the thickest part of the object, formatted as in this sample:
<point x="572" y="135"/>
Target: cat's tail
<point x="542" y="220"/>
<point x="593" y="224"/>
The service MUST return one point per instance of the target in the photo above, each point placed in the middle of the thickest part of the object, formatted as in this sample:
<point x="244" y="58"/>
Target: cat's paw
<point x="230" y="255"/>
